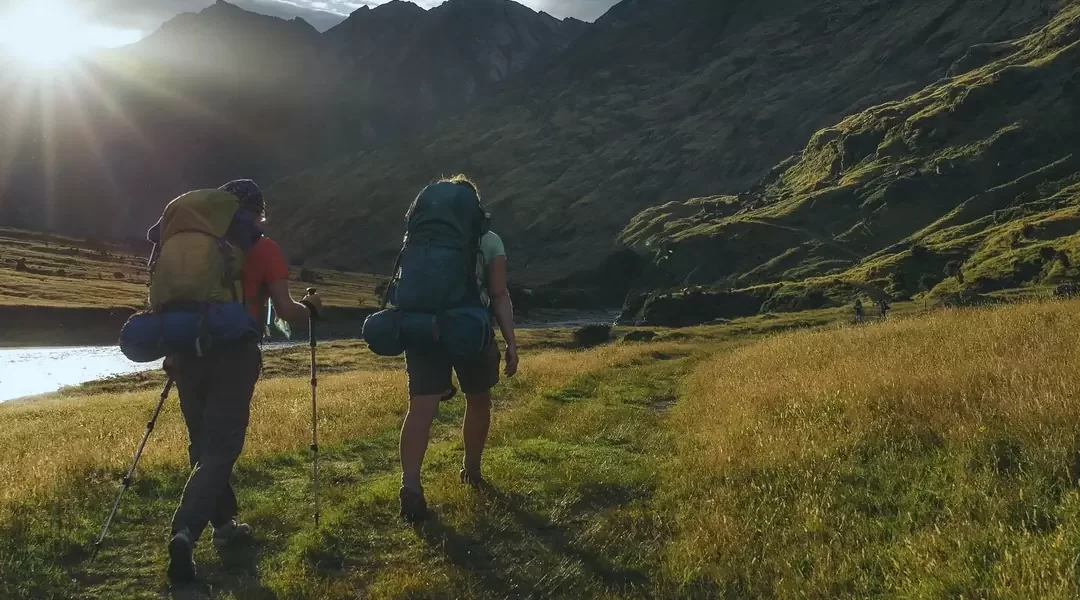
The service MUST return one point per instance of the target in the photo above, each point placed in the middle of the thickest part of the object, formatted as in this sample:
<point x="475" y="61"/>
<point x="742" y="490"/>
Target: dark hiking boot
<point x="181" y="563"/>
<point x="231" y="532"/>
<point x="472" y="479"/>
<point x="413" y="505"/>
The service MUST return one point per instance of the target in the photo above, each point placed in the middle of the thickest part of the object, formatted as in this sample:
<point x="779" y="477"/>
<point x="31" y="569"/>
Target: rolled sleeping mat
<point x="463" y="332"/>
<point x="149" y="336"/>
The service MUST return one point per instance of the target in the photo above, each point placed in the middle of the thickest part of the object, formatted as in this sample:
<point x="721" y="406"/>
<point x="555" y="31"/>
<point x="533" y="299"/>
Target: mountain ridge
<point x="228" y="93"/>
<point x="660" y="100"/>
<point x="970" y="186"/>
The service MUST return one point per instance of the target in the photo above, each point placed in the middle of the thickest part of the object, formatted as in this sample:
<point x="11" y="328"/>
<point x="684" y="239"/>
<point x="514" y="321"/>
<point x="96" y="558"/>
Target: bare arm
<point x="503" y="308"/>
<point x="287" y="308"/>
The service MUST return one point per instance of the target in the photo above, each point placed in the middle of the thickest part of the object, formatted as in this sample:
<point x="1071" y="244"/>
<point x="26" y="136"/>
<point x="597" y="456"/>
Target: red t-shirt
<point x="263" y="265"/>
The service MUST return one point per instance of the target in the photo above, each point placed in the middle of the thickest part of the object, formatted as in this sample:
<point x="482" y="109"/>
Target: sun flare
<point x="51" y="34"/>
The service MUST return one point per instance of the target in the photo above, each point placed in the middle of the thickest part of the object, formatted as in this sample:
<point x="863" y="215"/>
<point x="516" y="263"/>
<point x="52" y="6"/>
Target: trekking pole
<point x="314" y="412"/>
<point x="131" y="471"/>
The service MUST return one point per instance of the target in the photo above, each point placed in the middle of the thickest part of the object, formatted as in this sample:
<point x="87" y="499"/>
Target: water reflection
<point x="32" y="371"/>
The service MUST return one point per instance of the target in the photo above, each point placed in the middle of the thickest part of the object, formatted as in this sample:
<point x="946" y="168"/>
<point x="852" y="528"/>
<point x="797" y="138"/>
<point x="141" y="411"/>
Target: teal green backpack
<point x="435" y="295"/>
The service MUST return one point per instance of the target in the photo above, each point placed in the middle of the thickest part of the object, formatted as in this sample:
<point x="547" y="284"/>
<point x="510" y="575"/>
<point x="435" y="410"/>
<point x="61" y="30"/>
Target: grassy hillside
<point x="922" y="458"/>
<point x="38" y="269"/>
<point x="660" y="101"/>
<point x="63" y="290"/>
<point x="969" y="185"/>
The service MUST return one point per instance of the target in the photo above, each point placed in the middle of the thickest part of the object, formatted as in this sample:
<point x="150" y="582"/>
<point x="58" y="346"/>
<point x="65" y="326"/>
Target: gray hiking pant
<point x="215" y="398"/>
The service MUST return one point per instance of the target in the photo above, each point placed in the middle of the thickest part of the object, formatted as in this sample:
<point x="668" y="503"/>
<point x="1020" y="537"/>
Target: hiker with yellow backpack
<point x="212" y="271"/>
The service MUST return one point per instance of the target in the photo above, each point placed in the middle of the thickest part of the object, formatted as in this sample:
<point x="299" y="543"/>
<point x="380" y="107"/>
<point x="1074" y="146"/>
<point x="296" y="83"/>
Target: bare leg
<point x="477" y="424"/>
<point x="415" y="433"/>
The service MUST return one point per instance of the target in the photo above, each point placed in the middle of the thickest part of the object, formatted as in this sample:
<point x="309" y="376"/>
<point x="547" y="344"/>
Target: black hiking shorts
<point x="430" y="373"/>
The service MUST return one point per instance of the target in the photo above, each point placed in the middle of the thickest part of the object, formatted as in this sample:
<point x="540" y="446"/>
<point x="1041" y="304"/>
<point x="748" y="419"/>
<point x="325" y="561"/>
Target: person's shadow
<point x="236" y="571"/>
<point x="476" y="556"/>
<point x="465" y="553"/>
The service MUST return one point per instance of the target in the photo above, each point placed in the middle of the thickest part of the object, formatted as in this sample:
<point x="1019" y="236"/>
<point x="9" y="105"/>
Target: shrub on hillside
<point x="1063" y="258"/>
<point x="955" y="269"/>
<point x="1067" y="290"/>
<point x="309" y="276"/>
<point x="797" y="299"/>
<point x="591" y="336"/>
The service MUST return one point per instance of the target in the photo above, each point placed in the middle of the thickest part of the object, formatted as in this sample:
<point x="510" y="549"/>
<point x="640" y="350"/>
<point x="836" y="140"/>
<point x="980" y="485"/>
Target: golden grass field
<point x="927" y="457"/>
<point x="74" y="272"/>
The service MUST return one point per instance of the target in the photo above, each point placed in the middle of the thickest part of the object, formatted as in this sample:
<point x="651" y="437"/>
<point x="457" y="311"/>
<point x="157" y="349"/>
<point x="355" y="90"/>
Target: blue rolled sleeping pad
<point x="464" y="332"/>
<point x="149" y="336"/>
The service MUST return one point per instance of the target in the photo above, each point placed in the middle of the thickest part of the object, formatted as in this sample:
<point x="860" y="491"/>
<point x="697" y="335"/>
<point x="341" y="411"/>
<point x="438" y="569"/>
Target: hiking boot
<point x="472" y="479"/>
<point x="181" y="564"/>
<point x="413" y="505"/>
<point x="233" y="531"/>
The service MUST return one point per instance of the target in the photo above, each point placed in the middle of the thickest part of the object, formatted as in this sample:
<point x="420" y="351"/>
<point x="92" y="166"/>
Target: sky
<point x="144" y="16"/>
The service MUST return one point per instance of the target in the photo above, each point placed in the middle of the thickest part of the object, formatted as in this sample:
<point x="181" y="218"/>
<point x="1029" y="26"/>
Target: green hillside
<point x="65" y="290"/>
<point x="658" y="101"/>
<point x="976" y="175"/>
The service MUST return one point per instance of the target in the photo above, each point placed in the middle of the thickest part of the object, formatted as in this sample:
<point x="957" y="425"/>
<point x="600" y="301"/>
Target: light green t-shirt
<point x="491" y="247"/>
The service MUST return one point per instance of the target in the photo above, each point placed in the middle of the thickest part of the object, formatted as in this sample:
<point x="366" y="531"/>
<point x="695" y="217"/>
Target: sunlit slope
<point x="981" y="170"/>
<point x="918" y="459"/>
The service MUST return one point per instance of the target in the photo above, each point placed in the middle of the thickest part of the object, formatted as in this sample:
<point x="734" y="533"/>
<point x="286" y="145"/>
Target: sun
<point x="46" y="35"/>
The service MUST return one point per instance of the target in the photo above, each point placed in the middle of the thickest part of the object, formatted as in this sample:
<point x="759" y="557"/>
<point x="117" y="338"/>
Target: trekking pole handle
<point x="313" y="314"/>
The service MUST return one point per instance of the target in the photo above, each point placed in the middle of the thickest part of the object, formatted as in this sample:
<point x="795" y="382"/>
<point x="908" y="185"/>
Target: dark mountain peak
<point x="222" y="8"/>
<point x="398" y="8"/>
<point x="478" y="6"/>
<point x="633" y="11"/>
<point x="302" y="24"/>
<point x="226" y="18"/>
<point x="375" y="31"/>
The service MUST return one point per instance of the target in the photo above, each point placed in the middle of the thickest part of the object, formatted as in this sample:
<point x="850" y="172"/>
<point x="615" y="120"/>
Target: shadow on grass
<point x="465" y="553"/>
<point x="476" y="556"/>
<point x="555" y="538"/>
<point x="235" y="573"/>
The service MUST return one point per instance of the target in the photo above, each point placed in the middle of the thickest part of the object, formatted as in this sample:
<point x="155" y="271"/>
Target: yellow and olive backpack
<point x="196" y="279"/>
<point x="195" y="263"/>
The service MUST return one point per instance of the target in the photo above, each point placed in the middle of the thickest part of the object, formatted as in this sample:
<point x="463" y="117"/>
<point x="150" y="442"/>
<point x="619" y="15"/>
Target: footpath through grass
<point x="926" y="457"/>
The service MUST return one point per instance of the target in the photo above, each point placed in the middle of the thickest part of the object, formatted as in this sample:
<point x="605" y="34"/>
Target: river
<point x="32" y="371"/>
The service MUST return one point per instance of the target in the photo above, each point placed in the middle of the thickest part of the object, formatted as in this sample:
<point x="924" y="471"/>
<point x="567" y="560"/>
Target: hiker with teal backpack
<point x="449" y="284"/>
<point x="212" y="271"/>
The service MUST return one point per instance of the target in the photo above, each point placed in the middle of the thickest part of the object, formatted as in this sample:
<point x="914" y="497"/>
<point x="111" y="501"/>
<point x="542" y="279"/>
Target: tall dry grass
<point x="922" y="458"/>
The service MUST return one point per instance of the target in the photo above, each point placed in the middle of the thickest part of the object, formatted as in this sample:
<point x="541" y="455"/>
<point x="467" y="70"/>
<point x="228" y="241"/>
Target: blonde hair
<point x="461" y="179"/>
